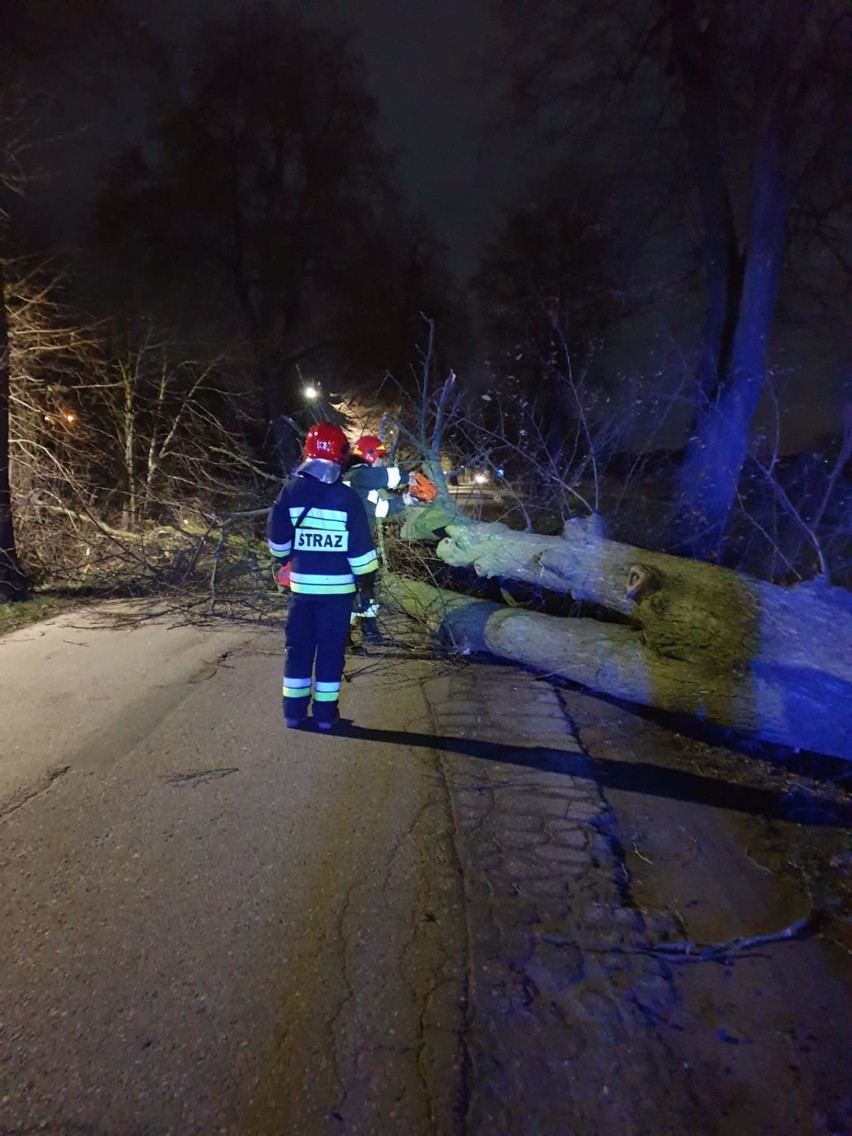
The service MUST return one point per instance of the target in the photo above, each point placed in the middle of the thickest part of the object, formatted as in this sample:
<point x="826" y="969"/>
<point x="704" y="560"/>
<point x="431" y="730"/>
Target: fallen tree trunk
<point x="685" y="609"/>
<point x="748" y="654"/>
<point x="611" y="658"/>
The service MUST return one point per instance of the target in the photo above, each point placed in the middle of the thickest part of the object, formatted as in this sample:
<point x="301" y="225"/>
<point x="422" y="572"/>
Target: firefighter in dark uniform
<point x="371" y="479"/>
<point x="319" y="530"/>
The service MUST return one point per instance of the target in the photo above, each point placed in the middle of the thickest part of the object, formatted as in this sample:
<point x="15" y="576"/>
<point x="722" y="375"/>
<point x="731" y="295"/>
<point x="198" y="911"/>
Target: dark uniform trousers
<point x="316" y="635"/>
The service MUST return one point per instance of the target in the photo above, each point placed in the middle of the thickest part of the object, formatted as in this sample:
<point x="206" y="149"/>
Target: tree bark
<point x="13" y="582"/>
<point x="612" y="659"/>
<point x="695" y="639"/>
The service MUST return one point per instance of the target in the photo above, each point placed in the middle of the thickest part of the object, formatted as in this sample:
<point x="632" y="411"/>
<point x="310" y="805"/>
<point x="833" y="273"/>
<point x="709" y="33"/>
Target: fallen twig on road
<point x="196" y="776"/>
<point x="706" y="952"/>
<point x="723" y="952"/>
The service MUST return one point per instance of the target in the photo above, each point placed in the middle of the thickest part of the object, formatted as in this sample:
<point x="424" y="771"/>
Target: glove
<point x="366" y="589"/>
<point x="421" y="488"/>
<point x="282" y="574"/>
<point x="366" y="599"/>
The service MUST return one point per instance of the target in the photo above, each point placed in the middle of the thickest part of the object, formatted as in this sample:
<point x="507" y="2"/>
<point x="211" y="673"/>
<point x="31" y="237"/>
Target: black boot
<point x="295" y="712"/>
<point x="371" y="631"/>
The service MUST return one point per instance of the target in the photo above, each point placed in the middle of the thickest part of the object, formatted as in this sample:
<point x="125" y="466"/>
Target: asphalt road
<point x="211" y="924"/>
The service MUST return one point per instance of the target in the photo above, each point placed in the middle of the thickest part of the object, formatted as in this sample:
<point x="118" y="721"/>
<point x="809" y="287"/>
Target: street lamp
<point x="310" y="392"/>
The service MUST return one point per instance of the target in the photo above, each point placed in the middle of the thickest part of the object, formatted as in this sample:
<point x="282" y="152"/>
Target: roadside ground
<point x="603" y="850"/>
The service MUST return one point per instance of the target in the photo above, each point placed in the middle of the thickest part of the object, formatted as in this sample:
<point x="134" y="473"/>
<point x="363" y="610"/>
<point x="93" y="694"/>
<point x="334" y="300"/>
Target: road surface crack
<point x="198" y="776"/>
<point x="24" y="796"/>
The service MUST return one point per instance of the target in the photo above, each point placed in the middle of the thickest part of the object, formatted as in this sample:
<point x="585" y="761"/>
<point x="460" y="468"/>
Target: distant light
<point x="69" y="417"/>
<point x="310" y="392"/>
<point x="500" y="471"/>
<point x="480" y="478"/>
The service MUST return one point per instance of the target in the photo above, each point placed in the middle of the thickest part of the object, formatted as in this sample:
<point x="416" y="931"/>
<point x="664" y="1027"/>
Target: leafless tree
<point x="759" y="96"/>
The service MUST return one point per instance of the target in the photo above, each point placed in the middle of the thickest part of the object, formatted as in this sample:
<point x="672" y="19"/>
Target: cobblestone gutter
<point x="562" y="1035"/>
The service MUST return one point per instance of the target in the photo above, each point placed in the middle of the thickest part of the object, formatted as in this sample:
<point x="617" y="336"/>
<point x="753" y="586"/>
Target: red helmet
<point x="327" y="442"/>
<point x="369" y="448"/>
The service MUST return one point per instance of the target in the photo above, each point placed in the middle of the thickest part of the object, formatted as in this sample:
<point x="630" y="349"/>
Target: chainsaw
<point x="421" y="488"/>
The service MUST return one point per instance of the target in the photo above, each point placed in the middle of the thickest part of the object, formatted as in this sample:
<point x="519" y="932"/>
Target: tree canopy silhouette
<point x="720" y="123"/>
<point x="264" y="198"/>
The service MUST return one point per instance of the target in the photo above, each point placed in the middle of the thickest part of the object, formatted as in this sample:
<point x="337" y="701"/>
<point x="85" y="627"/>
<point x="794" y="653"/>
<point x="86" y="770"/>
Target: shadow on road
<point x="629" y="776"/>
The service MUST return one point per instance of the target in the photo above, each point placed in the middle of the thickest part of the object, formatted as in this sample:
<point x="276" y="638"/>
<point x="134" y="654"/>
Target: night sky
<point x="456" y="161"/>
<point x="424" y="62"/>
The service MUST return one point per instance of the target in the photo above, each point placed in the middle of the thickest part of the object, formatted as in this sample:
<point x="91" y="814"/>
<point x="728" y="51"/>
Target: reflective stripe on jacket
<point x="369" y="481"/>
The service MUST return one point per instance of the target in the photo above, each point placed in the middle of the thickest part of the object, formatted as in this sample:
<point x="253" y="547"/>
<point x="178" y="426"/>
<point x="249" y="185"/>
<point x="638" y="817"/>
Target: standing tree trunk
<point x="278" y="409"/>
<point x="718" y="448"/>
<point x="129" y="373"/>
<point x="716" y="453"/>
<point x="13" y="582"/>
<point x="695" y="52"/>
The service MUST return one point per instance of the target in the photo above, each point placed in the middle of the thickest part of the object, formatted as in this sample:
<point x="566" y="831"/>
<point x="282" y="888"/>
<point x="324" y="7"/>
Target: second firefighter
<point x="375" y="482"/>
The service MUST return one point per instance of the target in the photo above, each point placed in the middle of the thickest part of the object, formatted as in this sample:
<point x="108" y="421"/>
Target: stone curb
<point x="563" y="1032"/>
